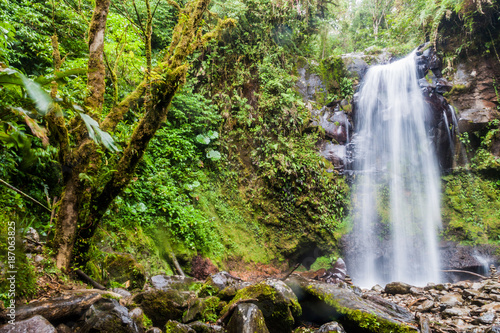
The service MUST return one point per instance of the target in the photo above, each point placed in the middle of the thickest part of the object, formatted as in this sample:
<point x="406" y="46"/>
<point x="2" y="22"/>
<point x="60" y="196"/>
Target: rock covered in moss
<point x="325" y="302"/>
<point x="277" y="302"/>
<point x="163" y="305"/>
<point x="247" y="318"/>
<point x="108" y="316"/>
<point x="176" y="327"/>
<point x="123" y="268"/>
<point x="222" y="284"/>
<point x="202" y="309"/>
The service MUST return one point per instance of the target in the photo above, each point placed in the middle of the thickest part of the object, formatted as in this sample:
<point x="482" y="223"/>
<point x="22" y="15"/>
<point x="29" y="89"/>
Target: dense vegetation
<point x="232" y="171"/>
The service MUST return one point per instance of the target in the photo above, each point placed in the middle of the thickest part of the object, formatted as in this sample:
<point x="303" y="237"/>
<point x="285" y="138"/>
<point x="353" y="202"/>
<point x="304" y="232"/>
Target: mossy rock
<point x="163" y="305"/>
<point x="247" y="318"/>
<point x="204" y="309"/>
<point x="277" y="302"/>
<point x="123" y="267"/>
<point x="326" y="302"/>
<point x="176" y="327"/>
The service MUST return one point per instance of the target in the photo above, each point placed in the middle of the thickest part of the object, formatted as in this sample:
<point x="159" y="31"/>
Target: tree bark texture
<point x="96" y="69"/>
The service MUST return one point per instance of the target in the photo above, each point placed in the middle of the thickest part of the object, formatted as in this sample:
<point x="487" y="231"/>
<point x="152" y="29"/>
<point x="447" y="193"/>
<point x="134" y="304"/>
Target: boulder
<point x="154" y="330"/>
<point x="123" y="267"/>
<point x="168" y="282"/>
<point x="200" y="327"/>
<point x="322" y="302"/>
<point x="331" y="327"/>
<point x="247" y="318"/>
<point x="395" y="288"/>
<point x="204" y="309"/>
<point x="223" y="284"/>
<point x="176" y="327"/>
<point x="451" y="300"/>
<point x="108" y="316"/>
<point x="163" y="305"/>
<point x="275" y="299"/>
<point x="36" y="324"/>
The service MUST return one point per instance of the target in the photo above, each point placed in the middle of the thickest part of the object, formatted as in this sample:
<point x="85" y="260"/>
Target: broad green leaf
<point x="204" y="140"/>
<point x="98" y="135"/>
<point x="37" y="94"/>
<point x="214" y="155"/>
<point x="213" y="135"/>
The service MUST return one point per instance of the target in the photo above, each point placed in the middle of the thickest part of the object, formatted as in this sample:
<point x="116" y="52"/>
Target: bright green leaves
<point x="204" y="140"/>
<point x="40" y="98"/>
<point x="98" y="135"/>
<point x="213" y="155"/>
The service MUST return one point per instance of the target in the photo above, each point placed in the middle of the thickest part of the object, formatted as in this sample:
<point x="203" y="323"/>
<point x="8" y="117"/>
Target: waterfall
<point x="396" y="191"/>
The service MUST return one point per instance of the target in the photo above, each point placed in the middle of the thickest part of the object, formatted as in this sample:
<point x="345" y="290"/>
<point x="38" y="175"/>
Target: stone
<point x="121" y="291"/>
<point x="276" y="300"/>
<point x="62" y="328"/>
<point x="395" y="288"/>
<point x="322" y="302"/>
<point x="204" y="309"/>
<point x="247" y="318"/>
<point x="123" y="267"/>
<point x="163" y="305"/>
<point x="136" y="314"/>
<point x="425" y="306"/>
<point x="36" y="324"/>
<point x="167" y="282"/>
<point x="331" y="328"/>
<point x="108" y="316"/>
<point x="335" y="274"/>
<point x="495" y="306"/>
<point x="175" y="327"/>
<point x="224" y="284"/>
<point x="154" y="330"/>
<point x="493" y="329"/>
<point x="451" y="300"/>
<point x="486" y="318"/>
<point x="200" y="327"/>
<point x="377" y="288"/>
<point x="453" y="312"/>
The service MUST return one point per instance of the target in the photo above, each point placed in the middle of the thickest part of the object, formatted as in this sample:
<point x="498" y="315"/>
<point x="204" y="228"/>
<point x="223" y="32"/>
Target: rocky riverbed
<point x="304" y="302"/>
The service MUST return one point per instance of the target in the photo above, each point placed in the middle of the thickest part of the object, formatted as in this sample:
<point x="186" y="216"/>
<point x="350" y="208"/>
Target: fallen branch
<point x="290" y="273"/>
<point x="88" y="279"/>
<point x="176" y="264"/>
<point x="465" y="272"/>
<point x="232" y="307"/>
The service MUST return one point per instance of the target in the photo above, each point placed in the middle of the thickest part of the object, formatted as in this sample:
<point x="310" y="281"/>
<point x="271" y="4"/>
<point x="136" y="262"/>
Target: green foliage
<point x="471" y="208"/>
<point x="25" y="273"/>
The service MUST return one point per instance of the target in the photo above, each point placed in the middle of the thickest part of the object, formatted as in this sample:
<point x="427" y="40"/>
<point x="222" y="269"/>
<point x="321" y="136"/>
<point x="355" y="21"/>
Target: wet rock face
<point x="474" y="93"/>
<point x="443" y="121"/>
<point x="247" y="318"/>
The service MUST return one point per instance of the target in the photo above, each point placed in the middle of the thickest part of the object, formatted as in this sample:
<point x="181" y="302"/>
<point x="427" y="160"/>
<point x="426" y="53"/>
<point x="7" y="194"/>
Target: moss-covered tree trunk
<point x="83" y="206"/>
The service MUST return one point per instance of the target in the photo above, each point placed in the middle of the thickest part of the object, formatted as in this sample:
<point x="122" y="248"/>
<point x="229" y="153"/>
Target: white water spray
<point x="396" y="195"/>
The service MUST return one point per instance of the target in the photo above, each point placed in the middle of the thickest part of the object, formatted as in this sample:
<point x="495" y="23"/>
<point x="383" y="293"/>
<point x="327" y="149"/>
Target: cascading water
<point x="396" y="193"/>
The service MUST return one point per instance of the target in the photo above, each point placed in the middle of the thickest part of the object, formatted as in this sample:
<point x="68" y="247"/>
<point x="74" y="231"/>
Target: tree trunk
<point x="82" y="207"/>
<point x="96" y="70"/>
